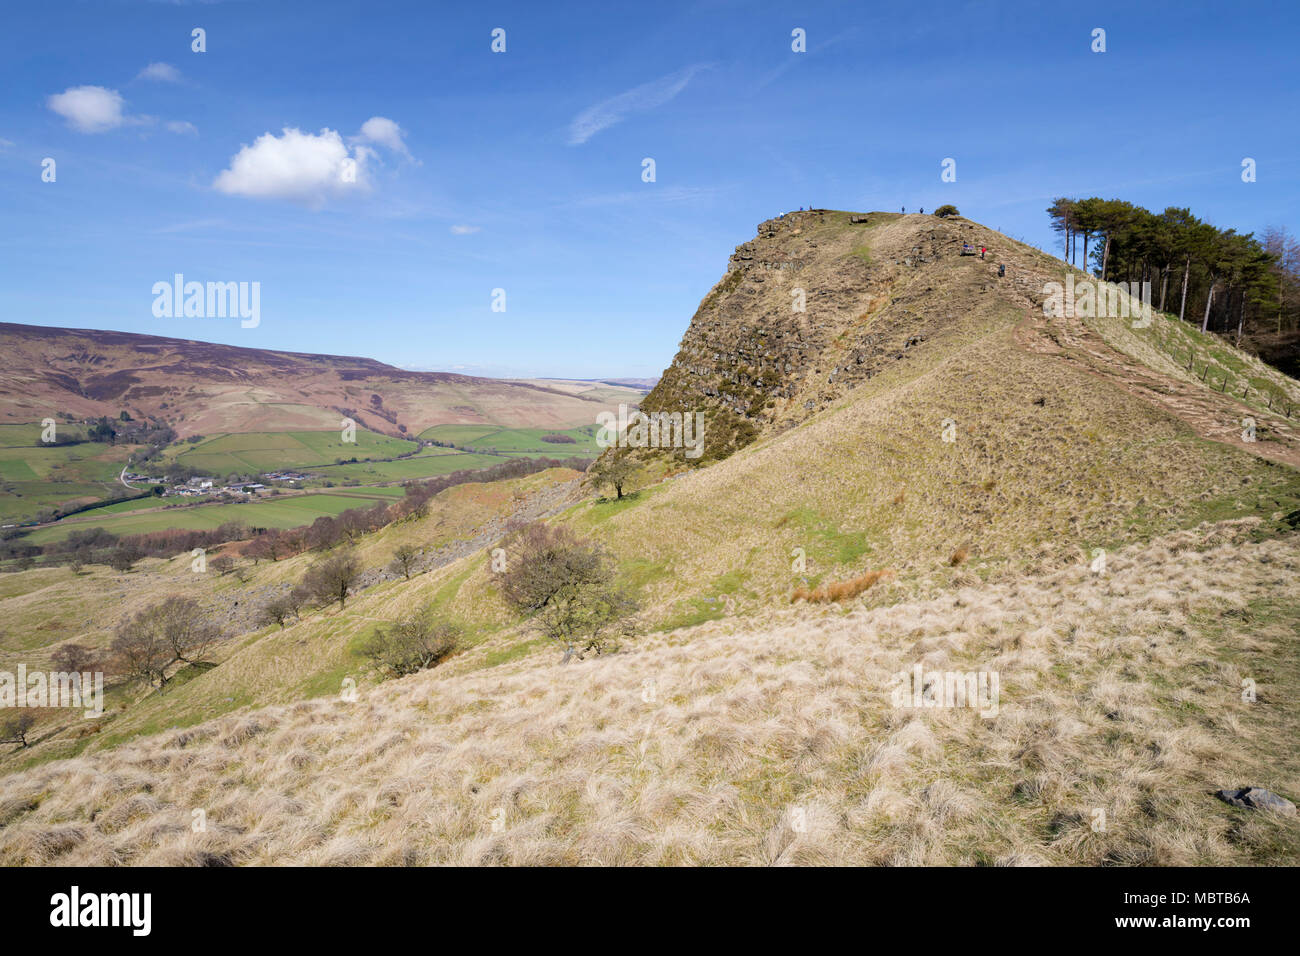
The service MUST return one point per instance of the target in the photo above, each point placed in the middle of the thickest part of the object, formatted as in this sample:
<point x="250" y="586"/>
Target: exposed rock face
<point x="818" y="303"/>
<point x="821" y="302"/>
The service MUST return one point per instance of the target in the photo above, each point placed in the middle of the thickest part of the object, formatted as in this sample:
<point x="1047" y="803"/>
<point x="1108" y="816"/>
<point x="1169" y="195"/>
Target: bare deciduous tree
<point x="73" y="658"/>
<point x="404" y="559"/>
<point x="174" y="631"/>
<point x="330" y="580"/>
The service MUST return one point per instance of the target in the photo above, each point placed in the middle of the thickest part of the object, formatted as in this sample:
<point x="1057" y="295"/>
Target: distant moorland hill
<point x="205" y="388"/>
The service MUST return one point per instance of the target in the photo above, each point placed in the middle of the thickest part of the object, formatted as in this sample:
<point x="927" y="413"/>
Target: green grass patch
<point x="826" y="541"/>
<point x="256" y="452"/>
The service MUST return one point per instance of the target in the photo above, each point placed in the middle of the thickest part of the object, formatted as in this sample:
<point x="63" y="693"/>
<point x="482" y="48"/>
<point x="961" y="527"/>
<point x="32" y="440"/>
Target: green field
<point x="256" y="452"/>
<point x="34" y="475"/>
<point x="443" y="462"/>
<point x="288" y="511"/>
<point x="457" y="434"/>
<point x="525" y="442"/>
<point x="121" y="507"/>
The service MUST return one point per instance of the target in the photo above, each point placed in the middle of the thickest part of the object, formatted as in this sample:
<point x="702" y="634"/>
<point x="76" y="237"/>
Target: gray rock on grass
<point x="1256" y="798"/>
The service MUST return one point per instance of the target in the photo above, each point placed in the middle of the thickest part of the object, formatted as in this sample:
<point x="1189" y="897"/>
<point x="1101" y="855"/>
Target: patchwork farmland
<point x="256" y="452"/>
<point x="286" y="511"/>
<point x="35" y="475"/>
<point x="519" y="441"/>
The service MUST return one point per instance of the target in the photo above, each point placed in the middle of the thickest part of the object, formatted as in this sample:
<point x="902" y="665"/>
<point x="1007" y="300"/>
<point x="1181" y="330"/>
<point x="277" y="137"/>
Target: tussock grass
<point x="761" y="742"/>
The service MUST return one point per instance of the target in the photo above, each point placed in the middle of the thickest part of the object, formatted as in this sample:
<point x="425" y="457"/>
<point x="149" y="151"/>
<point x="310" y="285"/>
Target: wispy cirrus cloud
<point x="606" y="113"/>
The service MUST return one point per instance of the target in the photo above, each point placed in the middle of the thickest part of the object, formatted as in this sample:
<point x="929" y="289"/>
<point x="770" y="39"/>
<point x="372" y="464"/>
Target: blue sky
<point x="522" y="170"/>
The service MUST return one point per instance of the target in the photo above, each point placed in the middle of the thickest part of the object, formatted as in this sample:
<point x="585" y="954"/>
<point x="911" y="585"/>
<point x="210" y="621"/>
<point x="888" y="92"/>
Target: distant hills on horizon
<point x="203" y="387"/>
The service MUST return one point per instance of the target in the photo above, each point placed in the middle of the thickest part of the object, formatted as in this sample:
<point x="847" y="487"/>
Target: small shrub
<point x="73" y="658"/>
<point x="124" y="559"/>
<point x="412" y="645"/>
<point x="279" y="610"/>
<point x="404" y="560"/>
<point x="564" y="584"/>
<point x="614" y="468"/>
<point x="16" y="728"/>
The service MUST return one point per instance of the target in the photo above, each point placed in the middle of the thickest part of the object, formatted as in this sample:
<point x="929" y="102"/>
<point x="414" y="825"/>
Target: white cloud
<point x="385" y="132"/>
<point x="6" y="144"/>
<point x="461" y="230"/>
<point x="89" y="109"/>
<point x="182" y="126"/>
<point x="615" y="109"/>
<point x="162" y="72"/>
<point x="296" y="165"/>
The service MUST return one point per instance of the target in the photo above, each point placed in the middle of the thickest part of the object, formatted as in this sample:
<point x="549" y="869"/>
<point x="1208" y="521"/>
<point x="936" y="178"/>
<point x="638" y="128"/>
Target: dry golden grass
<point x="748" y="742"/>
<point x="1030" y="484"/>
<point x="769" y="736"/>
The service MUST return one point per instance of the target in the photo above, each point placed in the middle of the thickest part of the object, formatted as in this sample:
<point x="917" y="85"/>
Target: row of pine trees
<point x="1223" y="280"/>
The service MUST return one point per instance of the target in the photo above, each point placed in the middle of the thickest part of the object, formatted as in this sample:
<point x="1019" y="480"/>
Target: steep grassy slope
<point x="1047" y="463"/>
<point x="760" y="742"/>
<point x="260" y="664"/>
<point x="1060" y="502"/>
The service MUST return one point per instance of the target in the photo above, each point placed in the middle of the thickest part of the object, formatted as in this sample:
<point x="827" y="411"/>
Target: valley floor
<point x="770" y="739"/>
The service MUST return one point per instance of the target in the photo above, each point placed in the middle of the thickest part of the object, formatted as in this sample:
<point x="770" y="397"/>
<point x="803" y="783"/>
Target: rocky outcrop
<point x="818" y="303"/>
